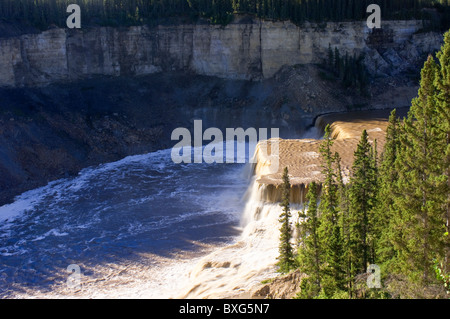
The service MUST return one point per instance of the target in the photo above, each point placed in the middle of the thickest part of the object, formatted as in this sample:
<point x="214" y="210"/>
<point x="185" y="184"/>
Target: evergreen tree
<point x="286" y="258"/>
<point x="42" y="13"/>
<point x="362" y="193"/>
<point x="330" y="61"/>
<point x="443" y="119"/>
<point x="385" y="210"/>
<point x="329" y="230"/>
<point x="400" y="208"/>
<point x="310" y="252"/>
<point x="344" y="206"/>
<point x="419" y="166"/>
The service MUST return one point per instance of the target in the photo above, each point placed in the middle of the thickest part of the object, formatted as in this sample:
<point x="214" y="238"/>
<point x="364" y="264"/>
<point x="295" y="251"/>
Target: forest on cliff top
<point x="43" y="13"/>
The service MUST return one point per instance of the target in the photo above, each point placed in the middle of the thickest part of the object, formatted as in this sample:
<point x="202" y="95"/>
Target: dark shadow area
<point x="54" y="131"/>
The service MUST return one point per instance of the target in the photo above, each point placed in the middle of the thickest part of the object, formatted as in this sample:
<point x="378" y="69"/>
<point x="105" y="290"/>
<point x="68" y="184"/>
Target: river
<point x="142" y="214"/>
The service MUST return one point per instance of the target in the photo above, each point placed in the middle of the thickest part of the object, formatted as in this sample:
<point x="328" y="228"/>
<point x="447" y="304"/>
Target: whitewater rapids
<point x="142" y="227"/>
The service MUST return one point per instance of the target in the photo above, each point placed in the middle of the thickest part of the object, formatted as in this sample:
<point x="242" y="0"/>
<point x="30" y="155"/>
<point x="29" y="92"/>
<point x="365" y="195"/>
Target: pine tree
<point x="385" y="210"/>
<point x="329" y="231"/>
<point x="344" y="206"/>
<point x="122" y="12"/>
<point x="330" y="61"/>
<point x="419" y="165"/>
<point x="443" y="119"/>
<point x="329" y="196"/>
<point x="362" y="193"/>
<point x="286" y="258"/>
<point x="310" y="252"/>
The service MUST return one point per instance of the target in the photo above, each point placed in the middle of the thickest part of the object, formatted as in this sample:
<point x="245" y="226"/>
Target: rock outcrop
<point x="245" y="49"/>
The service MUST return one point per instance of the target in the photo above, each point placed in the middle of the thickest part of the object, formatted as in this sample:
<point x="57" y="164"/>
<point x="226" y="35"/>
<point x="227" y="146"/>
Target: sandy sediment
<point x="302" y="156"/>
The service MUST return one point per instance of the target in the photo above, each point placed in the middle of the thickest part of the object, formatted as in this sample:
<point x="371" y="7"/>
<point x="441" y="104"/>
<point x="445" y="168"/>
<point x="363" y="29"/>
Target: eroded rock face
<point x="245" y="49"/>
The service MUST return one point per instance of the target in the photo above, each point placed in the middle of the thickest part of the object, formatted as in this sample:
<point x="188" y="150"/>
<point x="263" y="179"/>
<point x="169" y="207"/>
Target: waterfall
<point x="232" y="271"/>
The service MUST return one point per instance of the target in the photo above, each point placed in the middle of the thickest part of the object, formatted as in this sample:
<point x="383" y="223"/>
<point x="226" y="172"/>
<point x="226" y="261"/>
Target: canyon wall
<point x="248" y="49"/>
<point x="74" y="98"/>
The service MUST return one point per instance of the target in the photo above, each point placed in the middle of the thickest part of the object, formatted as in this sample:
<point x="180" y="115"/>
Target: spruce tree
<point x="286" y="257"/>
<point x="329" y="231"/>
<point x="310" y="252"/>
<point x="419" y="167"/>
<point x="344" y="206"/>
<point x="385" y="210"/>
<point x="443" y="115"/>
<point x="330" y="61"/>
<point x="362" y="193"/>
<point x="329" y="195"/>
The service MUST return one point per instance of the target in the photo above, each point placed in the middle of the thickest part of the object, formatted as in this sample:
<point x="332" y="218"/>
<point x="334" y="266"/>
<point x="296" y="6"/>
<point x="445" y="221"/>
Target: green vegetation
<point x="286" y="259"/>
<point x="42" y="13"/>
<point x="330" y="228"/>
<point x="349" y="70"/>
<point x="310" y="254"/>
<point x="395" y="210"/>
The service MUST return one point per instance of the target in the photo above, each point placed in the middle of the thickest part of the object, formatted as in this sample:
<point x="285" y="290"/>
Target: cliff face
<point x="245" y="49"/>
<point x="130" y="87"/>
